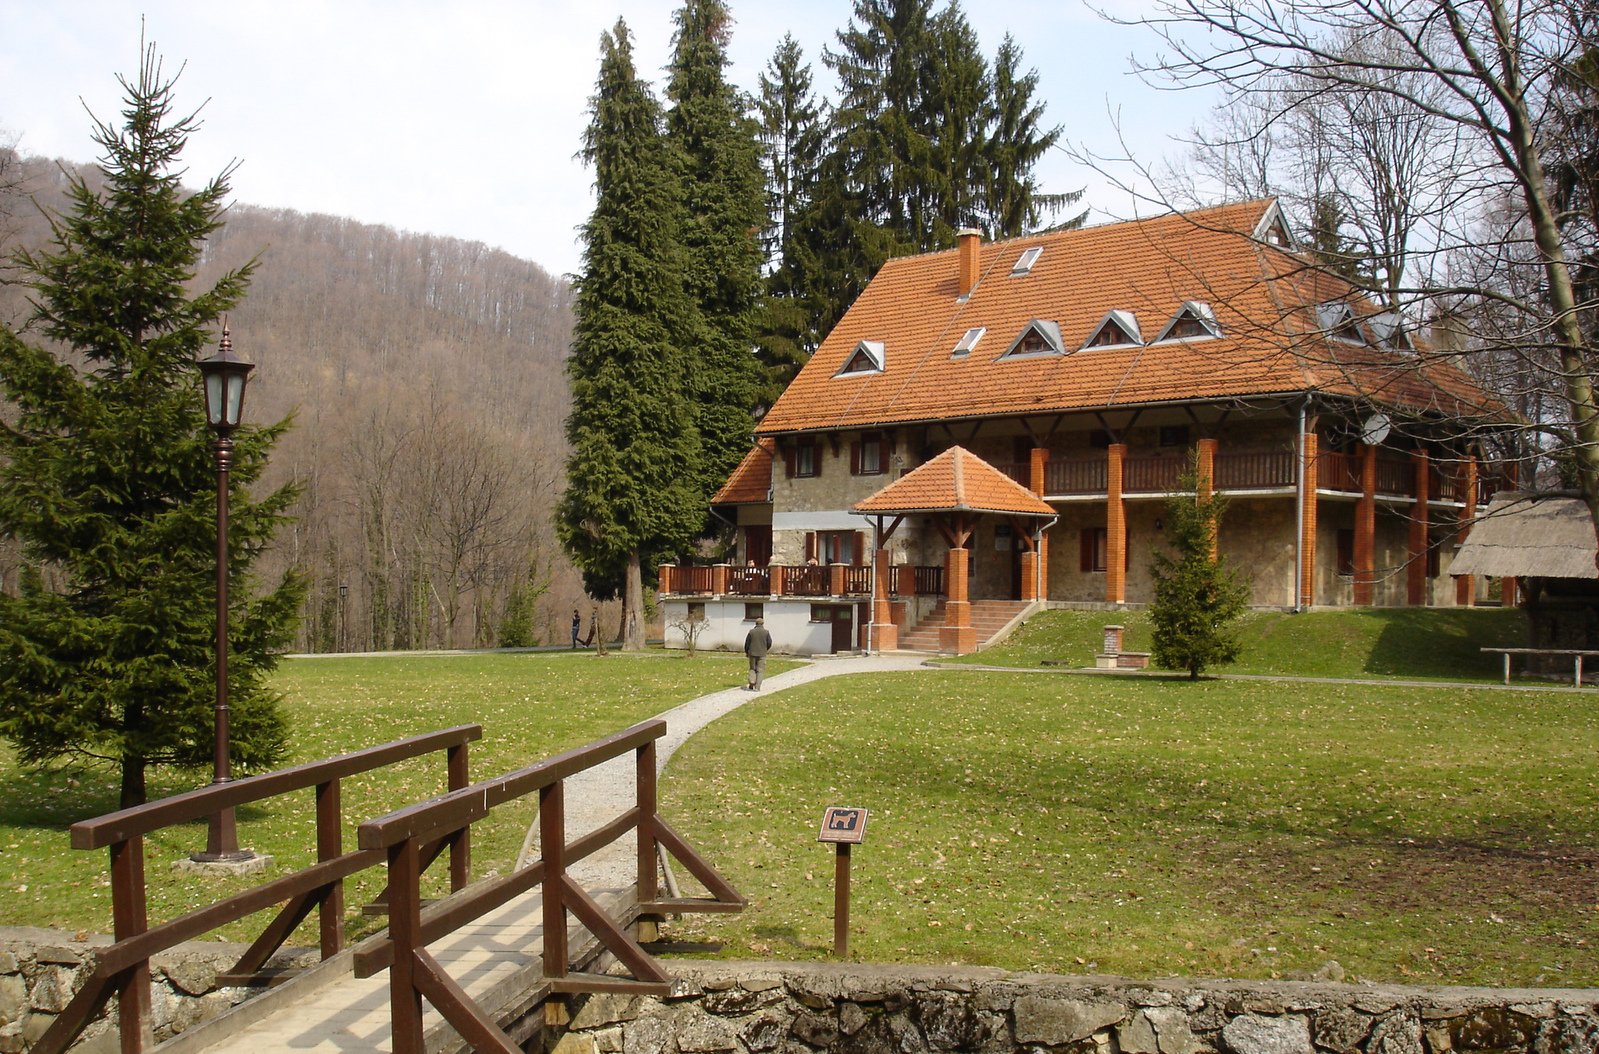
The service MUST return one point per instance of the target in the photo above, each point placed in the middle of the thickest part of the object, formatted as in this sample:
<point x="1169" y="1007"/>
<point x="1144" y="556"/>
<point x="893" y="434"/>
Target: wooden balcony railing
<point x="1082" y="475"/>
<point x="1259" y="471"/>
<point x="929" y="581"/>
<point x="750" y="581"/>
<point x="691" y="579"/>
<point x="857" y="580"/>
<point x="810" y="580"/>
<point x="1151" y="475"/>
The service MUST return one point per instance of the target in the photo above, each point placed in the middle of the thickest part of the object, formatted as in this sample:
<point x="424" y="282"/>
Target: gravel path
<point x="598" y="795"/>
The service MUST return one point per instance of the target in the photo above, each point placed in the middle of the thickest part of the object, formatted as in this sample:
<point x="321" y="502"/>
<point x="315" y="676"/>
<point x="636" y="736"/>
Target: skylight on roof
<point x="1025" y="262"/>
<point x="969" y="341"/>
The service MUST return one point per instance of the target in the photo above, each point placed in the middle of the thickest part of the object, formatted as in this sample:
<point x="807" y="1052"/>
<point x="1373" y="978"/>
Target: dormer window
<point x="1193" y="321"/>
<point x="968" y="342"/>
<point x="1024" y="263"/>
<point x="1337" y="320"/>
<point x="867" y="358"/>
<point x="1040" y="337"/>
<point x="1273" y="229"/>
<point x="1118" y="329"/>
<point x="1389" y="329"/>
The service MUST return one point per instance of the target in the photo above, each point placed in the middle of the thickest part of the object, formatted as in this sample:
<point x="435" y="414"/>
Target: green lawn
<point x="1411" y="643"/>
<point x="1152" y="827"/>
<point x="530" y="705"/>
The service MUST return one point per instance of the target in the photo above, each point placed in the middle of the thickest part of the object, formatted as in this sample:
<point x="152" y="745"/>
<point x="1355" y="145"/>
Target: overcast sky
<point x="463" y="118"/>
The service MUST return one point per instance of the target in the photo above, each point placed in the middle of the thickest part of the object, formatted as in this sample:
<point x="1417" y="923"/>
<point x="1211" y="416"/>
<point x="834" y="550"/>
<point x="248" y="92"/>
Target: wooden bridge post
<point x="330" y="846"/>
<point x="644" y="763"/>
<point x="129" y="919"/>
<point x="405" y="930"/>
<point x="461" y="842"/>
<point x="552" y="847"/>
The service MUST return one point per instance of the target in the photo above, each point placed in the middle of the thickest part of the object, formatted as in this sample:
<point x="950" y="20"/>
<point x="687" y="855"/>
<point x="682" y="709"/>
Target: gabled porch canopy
<point x="955" y="489"/>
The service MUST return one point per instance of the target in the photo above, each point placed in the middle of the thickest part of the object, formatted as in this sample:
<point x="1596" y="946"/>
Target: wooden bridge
<point x="484" y="968"/>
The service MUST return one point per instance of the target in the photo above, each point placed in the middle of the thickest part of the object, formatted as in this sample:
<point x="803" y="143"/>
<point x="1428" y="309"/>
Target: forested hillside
<point x="425" y="378"/>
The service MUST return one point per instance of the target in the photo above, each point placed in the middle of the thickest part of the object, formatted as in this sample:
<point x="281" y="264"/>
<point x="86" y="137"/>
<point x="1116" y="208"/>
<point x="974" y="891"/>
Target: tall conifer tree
<point x="108" y="481"/>
<point x="1017" y="142"/>
<point x="792" y="136"/>
<point x="714" y="137"/>
<point x="633" y="492"/>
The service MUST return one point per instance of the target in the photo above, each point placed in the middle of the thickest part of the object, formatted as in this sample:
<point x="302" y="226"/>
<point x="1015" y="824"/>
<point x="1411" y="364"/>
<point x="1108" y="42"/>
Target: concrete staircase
<point x="988" y="618"/>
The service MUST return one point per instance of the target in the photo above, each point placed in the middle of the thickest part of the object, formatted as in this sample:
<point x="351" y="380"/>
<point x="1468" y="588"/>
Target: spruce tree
<point x="107" y="479"/>
<point x="792" y="135"/>
<point x="714" y="140"/>
<point x="633" y="492"/>
<point x="1197" y="596"/>
<point x="1017" y="142"/>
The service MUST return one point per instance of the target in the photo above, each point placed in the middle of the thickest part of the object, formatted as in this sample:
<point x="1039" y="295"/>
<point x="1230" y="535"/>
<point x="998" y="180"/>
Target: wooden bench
<point x="1577" y="656"/>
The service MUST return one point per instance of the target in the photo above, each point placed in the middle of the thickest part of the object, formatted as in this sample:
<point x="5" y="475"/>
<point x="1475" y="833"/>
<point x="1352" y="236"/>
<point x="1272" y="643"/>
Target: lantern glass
<point x="213" y="399"/>
<point x="234" y="411"/>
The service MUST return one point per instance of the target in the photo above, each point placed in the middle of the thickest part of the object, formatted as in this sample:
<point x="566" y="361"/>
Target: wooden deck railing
<point x="123" y="969"/>
<point x="404" y="836"/>
<point x="808" y="580"/>
<point x="1082" y="475"/>
<point x="929" y="581"/>
<point x="749" y="581"/>
<point x="1152" y="475"/>
<point x="1258" y="471"/>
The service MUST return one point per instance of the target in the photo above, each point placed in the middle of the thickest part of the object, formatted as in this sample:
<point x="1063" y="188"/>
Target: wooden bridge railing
<point x="404" y="835"/>
<point x="123" y="969"/>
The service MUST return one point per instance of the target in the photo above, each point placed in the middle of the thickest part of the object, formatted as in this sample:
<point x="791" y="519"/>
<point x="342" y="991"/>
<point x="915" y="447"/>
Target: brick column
<point x="721" y="575"/>
<point x="1416" y="566"/>
<point x="1115" y="526"/>
<point x="1366" y="528"/>
<point x="1035" y="476"/>
<point x="775" y="581"/>
<point x="835" y="579"/>
<point x="906" y="586"/>
<point x="957" y="634"/>
<point x="885" y="635"/>
<point x="663" y="581"/>
<point x="1309" y="447"/>
<point x="1205" y="467"/>
<point x="1029" y="573"/>
<point x="1466" y="585"/>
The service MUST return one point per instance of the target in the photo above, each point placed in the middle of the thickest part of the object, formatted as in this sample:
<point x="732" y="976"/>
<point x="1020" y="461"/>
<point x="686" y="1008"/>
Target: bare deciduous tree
<point x="1483" y="88"/>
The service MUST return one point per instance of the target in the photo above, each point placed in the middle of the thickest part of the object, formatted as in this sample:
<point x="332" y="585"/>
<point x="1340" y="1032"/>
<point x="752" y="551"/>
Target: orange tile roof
<point x="751" y="481"/>
<point x="1264" y="299"/>
<point x="956" y="480"/>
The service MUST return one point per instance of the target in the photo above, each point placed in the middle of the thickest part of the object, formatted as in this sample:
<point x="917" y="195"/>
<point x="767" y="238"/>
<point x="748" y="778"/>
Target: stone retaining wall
<point x="40" y="970"/>
<point x="762" y="1008"/>
<point x="769" y="1008"/>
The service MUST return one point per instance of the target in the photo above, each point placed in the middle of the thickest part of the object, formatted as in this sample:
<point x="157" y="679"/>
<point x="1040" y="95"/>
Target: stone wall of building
<point x="765" y="1008"/>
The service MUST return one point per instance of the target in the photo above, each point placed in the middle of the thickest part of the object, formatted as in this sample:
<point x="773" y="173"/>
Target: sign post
<point x="843" y="827"/>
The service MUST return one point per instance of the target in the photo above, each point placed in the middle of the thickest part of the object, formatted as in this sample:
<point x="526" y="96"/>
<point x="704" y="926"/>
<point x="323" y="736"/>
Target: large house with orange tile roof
<point x="996" y="427"/>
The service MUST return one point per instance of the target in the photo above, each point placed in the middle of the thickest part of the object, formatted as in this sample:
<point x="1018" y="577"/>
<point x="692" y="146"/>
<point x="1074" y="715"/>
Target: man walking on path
<point x="757" y="642"/>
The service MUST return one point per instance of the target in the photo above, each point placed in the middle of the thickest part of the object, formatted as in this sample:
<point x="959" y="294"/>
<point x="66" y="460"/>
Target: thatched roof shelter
<point x="1523" y="534"/>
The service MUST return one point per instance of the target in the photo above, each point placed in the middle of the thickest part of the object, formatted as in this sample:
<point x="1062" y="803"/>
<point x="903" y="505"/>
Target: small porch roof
<point x="1527" y="535"/>
<point x="955" y="481"/>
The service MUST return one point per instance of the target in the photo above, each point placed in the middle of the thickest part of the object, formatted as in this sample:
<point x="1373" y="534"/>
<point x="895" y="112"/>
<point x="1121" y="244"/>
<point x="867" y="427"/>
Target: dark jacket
<point x="757" y="642"/>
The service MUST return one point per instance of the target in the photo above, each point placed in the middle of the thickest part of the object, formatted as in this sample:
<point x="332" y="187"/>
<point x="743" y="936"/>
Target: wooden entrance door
<point x="842" y="618"/>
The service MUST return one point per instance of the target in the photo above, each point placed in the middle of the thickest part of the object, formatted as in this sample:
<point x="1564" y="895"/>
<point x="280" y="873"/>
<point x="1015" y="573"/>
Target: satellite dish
<point x="1375" y="429"/>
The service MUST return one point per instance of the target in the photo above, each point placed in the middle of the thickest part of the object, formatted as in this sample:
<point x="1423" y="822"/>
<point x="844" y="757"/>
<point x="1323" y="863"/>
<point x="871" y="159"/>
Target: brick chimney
<point x="969" y="239"/>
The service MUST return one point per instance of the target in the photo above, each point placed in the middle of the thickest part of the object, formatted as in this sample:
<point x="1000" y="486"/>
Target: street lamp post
<point x="224" y="375"/>
<point x="344" y="598"/>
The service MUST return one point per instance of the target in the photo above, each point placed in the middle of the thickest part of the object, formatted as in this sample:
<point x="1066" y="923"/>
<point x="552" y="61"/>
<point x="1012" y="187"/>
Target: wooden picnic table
<point x="1577" y="654"/>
